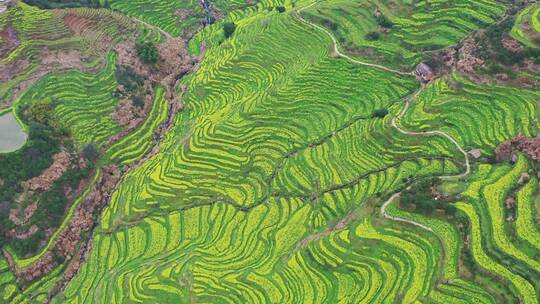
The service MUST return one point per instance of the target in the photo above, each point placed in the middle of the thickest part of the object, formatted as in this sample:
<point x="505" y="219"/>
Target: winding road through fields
<point x="395" y="119"/>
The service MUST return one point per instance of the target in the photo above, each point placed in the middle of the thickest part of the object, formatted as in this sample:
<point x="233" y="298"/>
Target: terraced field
<point x="72" y="93"/>
<point x="282" y="179"/>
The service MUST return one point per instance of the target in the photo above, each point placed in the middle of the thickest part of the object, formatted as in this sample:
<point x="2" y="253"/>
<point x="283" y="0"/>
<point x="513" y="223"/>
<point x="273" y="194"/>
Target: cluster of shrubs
<point x="420" y="199"/>
<point x="147" y="51"/>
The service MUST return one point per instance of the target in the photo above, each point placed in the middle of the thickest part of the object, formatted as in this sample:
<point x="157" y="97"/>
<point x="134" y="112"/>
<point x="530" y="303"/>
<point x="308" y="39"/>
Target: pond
<point x="12" y="136"/>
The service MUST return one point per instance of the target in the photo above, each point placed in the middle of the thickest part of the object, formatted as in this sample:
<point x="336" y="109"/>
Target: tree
<point x="373" y="36"/>
<point x="380" y="113"/>
<point x="148" y="52"/>
<point x="280" y="9"/>
<point x="384" y="22"/>
<point x="228" y="29"/>
<point x="90" y="152"/>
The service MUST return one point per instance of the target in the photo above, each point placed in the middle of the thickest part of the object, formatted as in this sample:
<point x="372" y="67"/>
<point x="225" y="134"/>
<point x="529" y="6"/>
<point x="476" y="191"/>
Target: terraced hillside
<point x="398" y="33"/>
<point x="297" y="174"/>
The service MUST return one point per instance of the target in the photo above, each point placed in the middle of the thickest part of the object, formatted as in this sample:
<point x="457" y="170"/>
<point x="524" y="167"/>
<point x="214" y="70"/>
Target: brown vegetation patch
<point x="8" y="41"/>
<point x="82" y="219"/>
<point x="174" y="62"/>
<point x="529" y="146"/>
<point x="10" y="70"/>
<point x="40" y="268"/>
<point x="22" y="235"/>
<point x="467" y="56"/>
<point x="61" y="162"/>
<point x="511" y="44"/>
<point x="14" y="214"/>
<point x="183" y="13"/>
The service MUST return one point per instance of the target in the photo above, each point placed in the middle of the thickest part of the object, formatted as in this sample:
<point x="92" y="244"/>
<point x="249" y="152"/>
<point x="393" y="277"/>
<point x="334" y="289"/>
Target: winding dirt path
<point x="336" y="45"/>
<point x="395" y="119"/>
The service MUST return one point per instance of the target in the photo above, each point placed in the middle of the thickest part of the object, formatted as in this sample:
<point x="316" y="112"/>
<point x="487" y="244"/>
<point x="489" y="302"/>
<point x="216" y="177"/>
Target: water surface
<point x="12" y="136"/>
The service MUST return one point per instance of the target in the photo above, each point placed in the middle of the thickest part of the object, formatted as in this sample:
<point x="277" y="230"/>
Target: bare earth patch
<point x="8" y="41"/>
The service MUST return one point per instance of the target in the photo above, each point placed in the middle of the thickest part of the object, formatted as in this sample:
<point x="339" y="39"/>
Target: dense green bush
<point x="380" y="113"/>
<point x="384" y="22"/>
<point x="373" y="36"/>
<point x="228" y="29"/>
<point x="148" y="52"/>
<point x="126" y="77"/>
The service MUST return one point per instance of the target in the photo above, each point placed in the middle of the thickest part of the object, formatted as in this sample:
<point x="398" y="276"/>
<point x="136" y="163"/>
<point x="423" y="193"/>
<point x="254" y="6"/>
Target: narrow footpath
<point x="395" y="119"/>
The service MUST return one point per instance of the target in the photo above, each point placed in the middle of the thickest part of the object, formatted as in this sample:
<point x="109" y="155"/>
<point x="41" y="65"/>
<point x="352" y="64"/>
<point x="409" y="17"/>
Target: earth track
<point x="409" y="100"/>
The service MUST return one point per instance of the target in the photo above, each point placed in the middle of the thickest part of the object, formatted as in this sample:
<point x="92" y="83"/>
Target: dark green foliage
<point x="28" y="162"/>
<point x="138" y="101"/>
<point x="371" y="36"/>
<point x="280" y="9"/>
<point x="228" y="29"/>
<point x="147" y="51"/>
<point x="90" y="153"/>
<point x="380" y="113"/>
<point x="419" y="198"/>
<point x="126" y="77"/>
<point x="132" y="83"/>
<point x="384" y="22"/>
